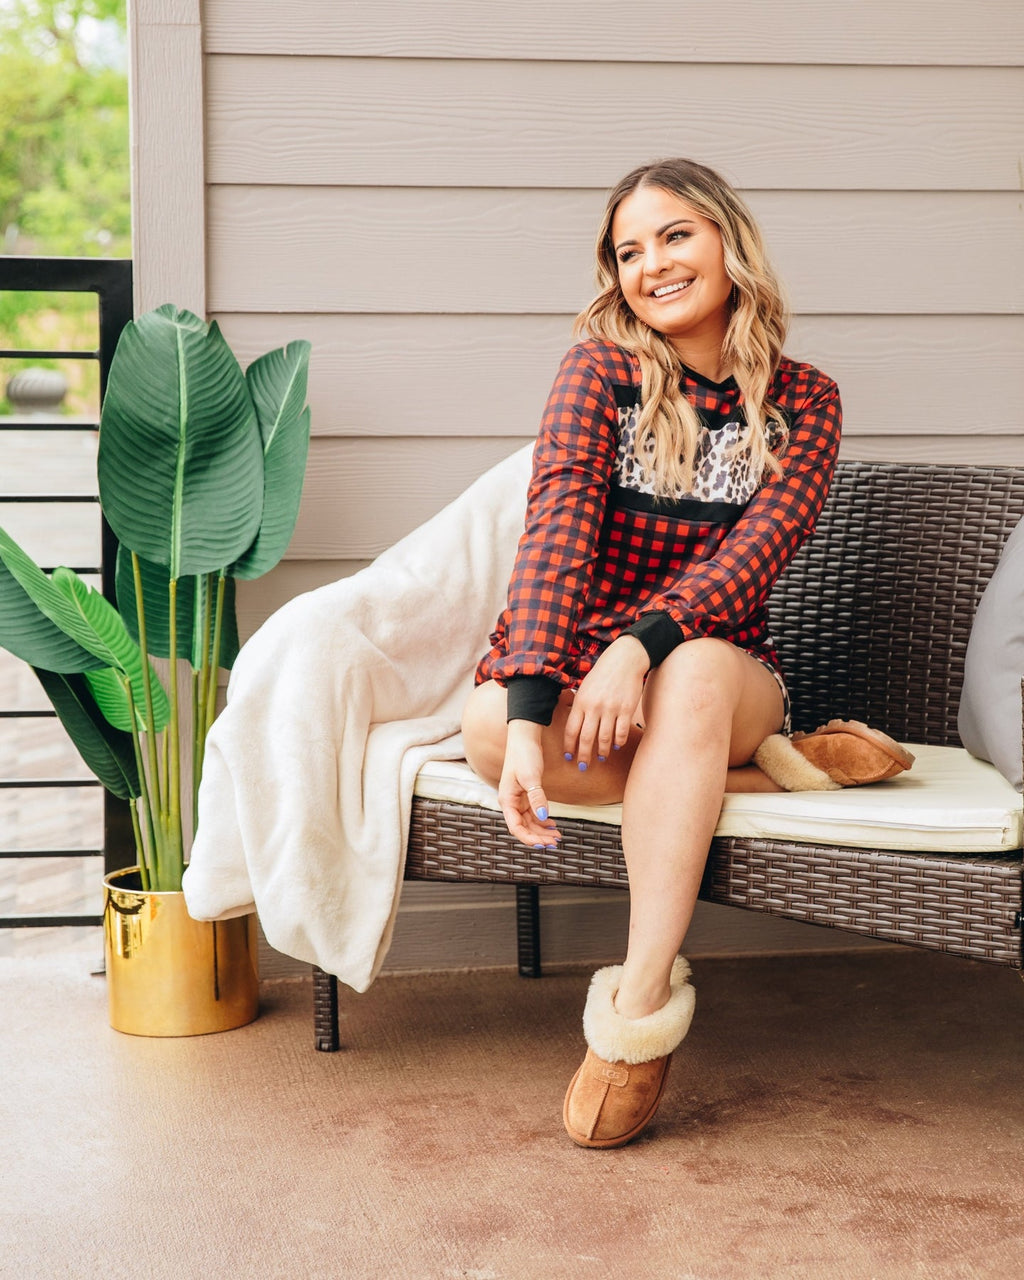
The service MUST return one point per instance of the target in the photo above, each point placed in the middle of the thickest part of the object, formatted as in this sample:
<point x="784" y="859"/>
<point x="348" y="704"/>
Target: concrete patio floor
<point x="843" y="1117"/>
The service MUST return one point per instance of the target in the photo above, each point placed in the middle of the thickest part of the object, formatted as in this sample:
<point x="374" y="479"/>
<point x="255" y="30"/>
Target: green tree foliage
<point x="64" y="169"/>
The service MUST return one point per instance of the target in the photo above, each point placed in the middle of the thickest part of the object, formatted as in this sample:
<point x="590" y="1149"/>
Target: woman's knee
<point x="699" y="678"/>
<point x="484" y="729"/>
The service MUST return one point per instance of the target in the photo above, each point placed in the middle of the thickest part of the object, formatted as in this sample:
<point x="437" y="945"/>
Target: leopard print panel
<point x="722" y="474"/>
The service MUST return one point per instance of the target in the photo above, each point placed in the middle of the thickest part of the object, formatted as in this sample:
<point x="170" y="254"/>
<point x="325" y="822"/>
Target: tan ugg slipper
<point x="616" y="1091"/>
<point x="842" y="753"/>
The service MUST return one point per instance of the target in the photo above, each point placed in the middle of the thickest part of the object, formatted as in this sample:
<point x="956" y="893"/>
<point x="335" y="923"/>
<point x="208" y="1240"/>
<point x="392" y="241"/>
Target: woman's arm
<point x="554" y="566"/>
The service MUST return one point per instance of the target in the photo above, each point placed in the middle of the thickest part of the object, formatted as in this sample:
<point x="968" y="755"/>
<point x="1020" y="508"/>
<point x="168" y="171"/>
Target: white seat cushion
<point x="949" y="802"/>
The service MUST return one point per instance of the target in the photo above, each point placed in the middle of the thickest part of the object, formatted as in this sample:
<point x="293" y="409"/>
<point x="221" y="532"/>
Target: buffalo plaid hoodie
<point x="601" y="555"/>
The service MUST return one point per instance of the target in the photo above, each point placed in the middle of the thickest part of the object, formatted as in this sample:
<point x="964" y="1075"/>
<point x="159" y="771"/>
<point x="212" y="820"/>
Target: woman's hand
<point x="521" y="790"/>
<point x="605" y="704"/>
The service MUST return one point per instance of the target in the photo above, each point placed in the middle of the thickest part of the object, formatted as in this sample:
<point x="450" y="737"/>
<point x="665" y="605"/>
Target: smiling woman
<point x="672" y="274"/>
<point x="681" y="462"/>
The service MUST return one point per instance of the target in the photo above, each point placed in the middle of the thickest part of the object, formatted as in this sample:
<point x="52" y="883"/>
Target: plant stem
<point x="200" y="666"/>
<point x="173" y="810"/>
<point x="147" y="686"/>
<point x="139" y="847"/>
<point x="205" y="635"/>
<point x="164" y="754"/>
<point x="198" y="701"/>
<point x="218" y="627"/>
<point x="150" y="867"/>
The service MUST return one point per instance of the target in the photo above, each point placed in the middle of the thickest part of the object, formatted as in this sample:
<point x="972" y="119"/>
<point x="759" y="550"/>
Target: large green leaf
<point x="108" y="691"/>
<point x="101" y="629"/>
<point x="180" y="457"/>
<point x="277" y="382"/>
<point x="28" y="630"/>
<point x="107" y="751"/>
<point x="155" y="580"/>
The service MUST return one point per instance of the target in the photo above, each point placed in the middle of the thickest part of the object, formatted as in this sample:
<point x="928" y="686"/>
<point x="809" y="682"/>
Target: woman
<point x="681" y="461"/>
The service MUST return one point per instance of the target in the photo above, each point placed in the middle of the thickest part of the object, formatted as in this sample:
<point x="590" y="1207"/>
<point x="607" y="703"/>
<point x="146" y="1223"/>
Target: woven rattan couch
<point x="872" y="621"/>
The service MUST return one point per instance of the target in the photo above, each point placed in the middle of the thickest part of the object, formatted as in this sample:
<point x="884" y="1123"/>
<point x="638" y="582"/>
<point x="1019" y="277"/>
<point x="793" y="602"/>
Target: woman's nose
<point x="655" y="258"/>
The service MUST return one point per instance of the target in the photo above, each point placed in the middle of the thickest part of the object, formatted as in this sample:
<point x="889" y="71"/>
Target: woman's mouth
<point x="666" y="290"/>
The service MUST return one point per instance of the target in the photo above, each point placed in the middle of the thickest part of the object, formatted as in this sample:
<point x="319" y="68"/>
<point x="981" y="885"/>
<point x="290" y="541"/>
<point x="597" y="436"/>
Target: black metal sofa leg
<point x="325" y="985"/>
<point x="325" y="1011"/>
<point x="528" y="929"/>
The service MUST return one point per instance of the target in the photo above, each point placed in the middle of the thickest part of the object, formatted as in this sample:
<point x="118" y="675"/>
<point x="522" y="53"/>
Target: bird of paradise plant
<point x="200" y="471"/>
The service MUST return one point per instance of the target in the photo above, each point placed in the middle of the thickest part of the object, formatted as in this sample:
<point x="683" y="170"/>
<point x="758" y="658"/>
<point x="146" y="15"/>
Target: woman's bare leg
<point x="484" y="730"/>
<point x="708" y="706"/>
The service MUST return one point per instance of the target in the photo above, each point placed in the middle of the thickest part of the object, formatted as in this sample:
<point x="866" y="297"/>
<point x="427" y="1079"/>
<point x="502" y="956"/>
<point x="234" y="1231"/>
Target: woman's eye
<point x="627" y="254"/>
<point x="678" y="235"/>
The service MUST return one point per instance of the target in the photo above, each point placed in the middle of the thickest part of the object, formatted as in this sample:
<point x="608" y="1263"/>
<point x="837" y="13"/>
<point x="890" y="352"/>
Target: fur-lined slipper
<point x="842" y="753"/>
<point x="616" y="1091"/>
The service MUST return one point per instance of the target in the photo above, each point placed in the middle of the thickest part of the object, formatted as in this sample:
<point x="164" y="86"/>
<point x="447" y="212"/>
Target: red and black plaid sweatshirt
<point x="601" y="555"/>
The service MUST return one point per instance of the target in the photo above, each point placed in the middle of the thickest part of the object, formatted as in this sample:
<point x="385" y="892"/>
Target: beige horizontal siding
<point x="903" y="32"/>
<point x="403" y="250"/>
<point x="915" y="376"/>
<point x="960" y="451"/>
<point x="421" y="122"/>
<point x="362" y="495"/>
<point x="412" y="375"/>
<point x="488" y="375"/>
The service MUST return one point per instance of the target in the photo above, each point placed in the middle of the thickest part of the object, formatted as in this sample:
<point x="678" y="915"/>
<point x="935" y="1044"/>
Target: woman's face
<point x="672" y="268"/>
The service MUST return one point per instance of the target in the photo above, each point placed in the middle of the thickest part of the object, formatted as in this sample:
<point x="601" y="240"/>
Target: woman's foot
<point x="637" y="1000"/>
<point x="615" y="1093"/>
<point x="842" y="753"/>
<point x="609" y="1103"/>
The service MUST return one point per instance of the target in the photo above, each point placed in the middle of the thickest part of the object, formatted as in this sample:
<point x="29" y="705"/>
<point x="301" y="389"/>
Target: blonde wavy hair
<point x="668" y="427"/>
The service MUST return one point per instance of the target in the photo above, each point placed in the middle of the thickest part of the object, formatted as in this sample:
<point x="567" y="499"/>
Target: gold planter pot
<point x="170" y="975"/>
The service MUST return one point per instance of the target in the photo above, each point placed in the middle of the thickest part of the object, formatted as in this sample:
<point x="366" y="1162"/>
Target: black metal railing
<point x="111" y="281"/>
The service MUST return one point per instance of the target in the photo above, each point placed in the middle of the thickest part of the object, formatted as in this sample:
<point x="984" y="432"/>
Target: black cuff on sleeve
<point x="659" y="633"/>
<point x="532" y="698"/>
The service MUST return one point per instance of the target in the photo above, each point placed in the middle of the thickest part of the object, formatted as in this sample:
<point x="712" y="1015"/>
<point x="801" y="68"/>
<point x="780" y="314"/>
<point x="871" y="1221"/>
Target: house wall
<point x="415" y="188"/>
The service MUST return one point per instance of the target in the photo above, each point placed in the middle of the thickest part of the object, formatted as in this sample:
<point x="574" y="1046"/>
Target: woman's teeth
<point x="665" y="290"/>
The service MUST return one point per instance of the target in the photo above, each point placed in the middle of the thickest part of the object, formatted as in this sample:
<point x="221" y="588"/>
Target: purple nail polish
<point x="542" y="813"/>
<point x="583" y="765"/>
<point x="615" y="746"/>
<point x="538" y="846"/>
<point x="568" y="755"/>
<point x="602" y="759"/>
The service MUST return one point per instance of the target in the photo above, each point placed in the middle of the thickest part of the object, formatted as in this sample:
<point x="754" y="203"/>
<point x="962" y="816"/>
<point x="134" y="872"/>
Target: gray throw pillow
<point x="990" y="704"/>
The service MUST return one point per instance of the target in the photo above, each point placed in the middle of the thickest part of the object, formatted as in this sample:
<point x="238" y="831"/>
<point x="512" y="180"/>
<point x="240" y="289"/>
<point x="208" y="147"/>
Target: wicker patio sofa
<point x="872" y="621"/>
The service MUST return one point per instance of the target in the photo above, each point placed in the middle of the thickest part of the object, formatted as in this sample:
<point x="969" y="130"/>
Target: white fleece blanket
<point x="333" y="707"/>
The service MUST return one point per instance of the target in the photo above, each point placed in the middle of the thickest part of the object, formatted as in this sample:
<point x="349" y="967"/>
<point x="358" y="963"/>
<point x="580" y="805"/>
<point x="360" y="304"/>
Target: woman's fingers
<point x="521" y="790"/>
<point x="590" y="736"/>
<point x="582" y="731"/>
<point x="526" y="826"/>
<point x="537" y="801"/>
<point x="573" y="724"/>
<point x="599" y="719"/>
